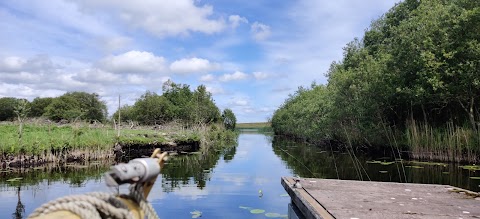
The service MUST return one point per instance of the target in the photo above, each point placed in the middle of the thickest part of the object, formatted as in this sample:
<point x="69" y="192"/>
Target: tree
<point x="77" y="105"/>
<point x="229" y="119"/>
<point x="38" y="106"/>
<point x="204" y="109"/>
<point x="180" y="96"/>
<point x="7" y="107"/>
<point x="152" y="108"/>
<point x="127" y="113"/>
<point x="21" y="110"/>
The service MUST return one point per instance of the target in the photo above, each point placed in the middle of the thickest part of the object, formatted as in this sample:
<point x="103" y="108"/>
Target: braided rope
<point x="136" y="191"/>
<point x="86" y="206"/>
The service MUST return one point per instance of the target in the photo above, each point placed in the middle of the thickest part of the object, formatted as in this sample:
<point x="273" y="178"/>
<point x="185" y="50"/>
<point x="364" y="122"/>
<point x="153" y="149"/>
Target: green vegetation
<point x="412" y="81"/>
<point x="229" y="119"/>
<point x="179" y="115"/>
<point x="177" y="103"/>
<point x="257" y="126"/>
<point x="41" y="139"/>
<point x="253" y="125"/>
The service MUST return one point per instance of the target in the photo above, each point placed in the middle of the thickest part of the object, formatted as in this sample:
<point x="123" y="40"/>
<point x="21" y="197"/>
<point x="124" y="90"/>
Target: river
<point x="227" y="183"/>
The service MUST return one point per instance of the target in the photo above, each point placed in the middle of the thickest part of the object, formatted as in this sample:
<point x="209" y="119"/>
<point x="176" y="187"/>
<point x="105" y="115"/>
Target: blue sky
<point x="249" y="54"/>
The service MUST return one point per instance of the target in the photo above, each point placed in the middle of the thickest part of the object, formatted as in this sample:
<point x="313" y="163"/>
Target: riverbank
<point x="43" y="143"/>
<point x="255" y="126"/>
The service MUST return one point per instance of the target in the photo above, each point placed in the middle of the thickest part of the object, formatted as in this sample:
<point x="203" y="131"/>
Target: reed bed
<point x="450" y="143"/>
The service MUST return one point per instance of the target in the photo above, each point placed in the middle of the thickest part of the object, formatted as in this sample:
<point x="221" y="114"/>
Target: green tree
<point x="204" y="109"/>
<point x="77" y="105"/>
<point x="229" y="119"/>
<point x="38" y="106"/>
<point x="180" y="96"/>
<point x="152" y="108"/>
<point x="127" y="113"/>
<point x="7" y="107"/>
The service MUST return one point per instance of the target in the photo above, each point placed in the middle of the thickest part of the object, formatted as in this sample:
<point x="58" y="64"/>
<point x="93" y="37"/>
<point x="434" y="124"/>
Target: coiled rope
<point x="98" y="205"/>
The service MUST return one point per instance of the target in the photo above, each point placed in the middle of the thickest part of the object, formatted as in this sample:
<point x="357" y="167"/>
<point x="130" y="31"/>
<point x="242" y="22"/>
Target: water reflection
<point x="310" y="161"/>
<point x="226" y="183"/>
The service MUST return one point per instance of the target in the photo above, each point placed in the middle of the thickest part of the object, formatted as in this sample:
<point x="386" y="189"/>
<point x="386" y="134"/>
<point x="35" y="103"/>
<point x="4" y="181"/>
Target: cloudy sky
<point x="249" y="54"/>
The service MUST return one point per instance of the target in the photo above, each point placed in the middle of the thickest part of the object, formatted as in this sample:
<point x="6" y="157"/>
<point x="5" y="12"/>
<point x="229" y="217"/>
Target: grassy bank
<point x="258" y="126"/>
<point x="80" y="141"/>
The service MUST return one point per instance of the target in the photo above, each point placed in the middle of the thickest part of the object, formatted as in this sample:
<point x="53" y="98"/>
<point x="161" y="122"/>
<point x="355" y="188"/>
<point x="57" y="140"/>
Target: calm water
<point x="221" y="183"/>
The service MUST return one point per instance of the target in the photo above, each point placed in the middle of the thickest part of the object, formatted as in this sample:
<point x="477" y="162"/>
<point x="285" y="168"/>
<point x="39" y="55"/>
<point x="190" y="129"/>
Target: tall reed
<point x="449" y="143"/>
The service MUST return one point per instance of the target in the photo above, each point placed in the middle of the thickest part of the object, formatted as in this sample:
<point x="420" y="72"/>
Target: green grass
<point x="449" y="143"/>
<point x="39" y="139"/>
<point x="43" y="139"/>
<point x="253" y="125"/>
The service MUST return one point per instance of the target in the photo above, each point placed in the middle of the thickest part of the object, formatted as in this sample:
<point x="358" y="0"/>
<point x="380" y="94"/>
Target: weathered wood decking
<point x="327" y="198"/>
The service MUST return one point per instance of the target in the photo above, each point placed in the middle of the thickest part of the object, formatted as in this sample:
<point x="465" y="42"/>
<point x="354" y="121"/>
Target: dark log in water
<point x="134" y="150"/>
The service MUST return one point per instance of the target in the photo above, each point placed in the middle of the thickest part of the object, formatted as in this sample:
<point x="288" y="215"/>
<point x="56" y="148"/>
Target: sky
<point x="249" y="54"/>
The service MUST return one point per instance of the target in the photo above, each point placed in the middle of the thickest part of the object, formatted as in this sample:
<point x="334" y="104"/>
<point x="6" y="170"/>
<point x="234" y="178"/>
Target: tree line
<point x="176" y="103"/>
<point x="69" y="106"/>
<point x="419" y="63"/>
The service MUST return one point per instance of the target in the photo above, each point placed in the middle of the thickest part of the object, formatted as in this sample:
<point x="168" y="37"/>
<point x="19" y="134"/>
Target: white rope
<point x="86" y="206"/>
<point x="136" y="191"/>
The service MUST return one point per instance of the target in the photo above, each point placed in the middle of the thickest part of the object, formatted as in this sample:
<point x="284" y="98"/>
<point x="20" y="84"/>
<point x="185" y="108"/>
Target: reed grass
<point x="51" y="142"/>
<point x="449" y="143"/>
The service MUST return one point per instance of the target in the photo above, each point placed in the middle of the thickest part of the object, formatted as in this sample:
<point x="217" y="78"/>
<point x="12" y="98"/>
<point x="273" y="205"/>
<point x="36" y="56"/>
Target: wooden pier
<point x="327" y="198"/>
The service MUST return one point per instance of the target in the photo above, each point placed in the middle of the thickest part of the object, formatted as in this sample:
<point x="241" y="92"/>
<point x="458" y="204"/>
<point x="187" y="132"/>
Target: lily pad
<point x="428" y="163"/>
<point x="471" y="167"/>
<point x="196" y="214"/>
<point x="14" y="179"/>
<point x="284" y="195"/>
<point x="244" y="207"/>
<point x="415" y="167"/>
<point x="257" y="211"/>
<point x="383" y="171"/>
<point x="475" y="177"/>
<point x="273" y="215"/>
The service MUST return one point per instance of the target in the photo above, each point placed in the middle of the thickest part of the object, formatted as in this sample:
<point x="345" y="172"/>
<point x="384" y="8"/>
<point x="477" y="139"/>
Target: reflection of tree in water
<point x="20" y="209"/>
<point x="229" y="153"/>
<point x="325" y="165"/>
<point x="180" y="170"/>
<point x="311" y="161"/>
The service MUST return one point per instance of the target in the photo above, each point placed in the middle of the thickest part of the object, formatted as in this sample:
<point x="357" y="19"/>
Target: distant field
<point x="253" y="125"/>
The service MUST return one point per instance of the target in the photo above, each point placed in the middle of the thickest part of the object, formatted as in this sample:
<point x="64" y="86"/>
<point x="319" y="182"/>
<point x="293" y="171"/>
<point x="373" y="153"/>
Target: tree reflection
<point x="20" y="209"/>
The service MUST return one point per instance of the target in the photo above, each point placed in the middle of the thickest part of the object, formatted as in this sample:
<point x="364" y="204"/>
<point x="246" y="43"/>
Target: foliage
<point x="38" y="105"/>
<point x="7" y="107"/>
<point x="229" y="119"/>
<point x="177" y="103"/>
<point x="77" y="105"/>
<point x="127" y="113"/>
<point x="152" y="108"/>
<point x="418" y="62"/>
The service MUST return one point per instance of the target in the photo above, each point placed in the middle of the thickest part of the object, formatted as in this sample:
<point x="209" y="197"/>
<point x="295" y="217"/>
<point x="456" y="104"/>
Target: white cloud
<point x="96" y="75"/>
<point x="207" y="78"/>
<point x="235" y="20"/>
<point x="240" y="102"/>
<point x="133" y="62"/>
<point x="215" y="90"/>
<point x="260" y="75"/>
<point x="260" y="31"/>
<point x="236" y="76"/>
<point x="115" y="43"/>
<point x="39" y="63"/>
<point x="193" y="65"/>
<point x="161" y="18"/>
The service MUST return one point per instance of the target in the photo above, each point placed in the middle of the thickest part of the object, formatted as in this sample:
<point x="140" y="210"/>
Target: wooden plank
<point x="309" y="207"/>
<point x="362" y="199"/>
